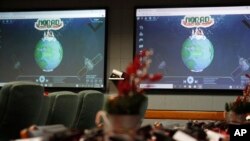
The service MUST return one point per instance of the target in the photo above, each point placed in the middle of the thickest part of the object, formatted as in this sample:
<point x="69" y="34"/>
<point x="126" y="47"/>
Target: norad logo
<point x="197" y="21"/>
<point x="49" y="24"/>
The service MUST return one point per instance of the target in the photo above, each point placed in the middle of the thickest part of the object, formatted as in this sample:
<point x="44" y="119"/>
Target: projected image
<point x="53" y="51"/>
<point x="197" y="51"/>
<point x="48" y="51"/>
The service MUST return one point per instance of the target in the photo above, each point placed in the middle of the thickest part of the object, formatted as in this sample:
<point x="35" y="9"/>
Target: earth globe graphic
<point x="48" y="53"/>
<point x="197" y="53"/>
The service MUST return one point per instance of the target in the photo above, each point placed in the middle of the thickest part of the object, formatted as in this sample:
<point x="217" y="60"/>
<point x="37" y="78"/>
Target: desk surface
<point x="188" y="115"/>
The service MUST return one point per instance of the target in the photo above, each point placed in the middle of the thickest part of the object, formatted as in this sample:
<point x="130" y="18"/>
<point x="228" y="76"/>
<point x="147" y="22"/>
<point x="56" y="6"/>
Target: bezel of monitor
<point x="181" y="91"/>
<point x="73" y="11"/>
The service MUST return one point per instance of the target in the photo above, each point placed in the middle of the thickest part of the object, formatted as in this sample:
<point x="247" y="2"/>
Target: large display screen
<point x="53" y="48"/>
<point x="196" y="47"/>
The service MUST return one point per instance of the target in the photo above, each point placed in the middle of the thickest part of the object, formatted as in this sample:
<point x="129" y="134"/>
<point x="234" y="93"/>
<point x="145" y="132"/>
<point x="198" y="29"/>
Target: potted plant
<point x="124" y="110"/>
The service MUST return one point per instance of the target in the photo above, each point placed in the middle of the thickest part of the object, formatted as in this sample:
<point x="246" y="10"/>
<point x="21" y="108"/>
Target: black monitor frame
<point x="177" y="90"/>
<point x="75" y="89"/>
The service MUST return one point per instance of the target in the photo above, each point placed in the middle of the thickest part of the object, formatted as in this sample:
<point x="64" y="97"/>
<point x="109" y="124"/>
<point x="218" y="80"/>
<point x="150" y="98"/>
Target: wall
<point x="120" y="43"/>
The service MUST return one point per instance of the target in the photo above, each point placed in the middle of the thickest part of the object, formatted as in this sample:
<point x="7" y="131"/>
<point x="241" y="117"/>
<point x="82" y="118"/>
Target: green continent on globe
<point x="197" y="54"/>
<point x="48" y="54"/>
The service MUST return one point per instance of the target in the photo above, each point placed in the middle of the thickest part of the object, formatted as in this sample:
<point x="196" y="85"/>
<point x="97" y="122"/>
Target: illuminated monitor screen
<point x="196" y="47"/>
<point x="54" y="48"/>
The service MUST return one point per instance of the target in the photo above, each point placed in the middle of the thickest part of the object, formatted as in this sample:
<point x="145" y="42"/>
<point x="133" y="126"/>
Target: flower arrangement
<point x="130" y="96"/>
<point x="242" y="103"/>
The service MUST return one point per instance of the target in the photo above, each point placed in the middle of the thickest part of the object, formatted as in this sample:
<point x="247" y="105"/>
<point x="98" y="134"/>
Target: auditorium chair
<point x="63" y="108"/>
<point x="20" y="105"/>
<point x="91" y="102"/>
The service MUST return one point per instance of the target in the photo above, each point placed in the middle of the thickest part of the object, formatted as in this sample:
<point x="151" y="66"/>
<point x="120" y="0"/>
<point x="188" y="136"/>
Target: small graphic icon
<point x="141" y="46"/>
<point x="197" y="21"/>
<point x="244" y="65"/>
<point x="42" y="79"/>
<point x="95" y="25"/>
<point x="141" y="27"/>
<point x="140" y="34"/>
<point x="140" y="39"/>
<point x="190" y="79"/>
<point x="199" y="86"/>
<point x="89" y="64"/>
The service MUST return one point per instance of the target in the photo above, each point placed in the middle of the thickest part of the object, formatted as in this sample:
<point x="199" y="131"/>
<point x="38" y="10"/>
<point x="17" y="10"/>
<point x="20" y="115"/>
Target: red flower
<point x="124" y="87"/>
<point x="155" y="77"/>
<point x="136" y="72"/>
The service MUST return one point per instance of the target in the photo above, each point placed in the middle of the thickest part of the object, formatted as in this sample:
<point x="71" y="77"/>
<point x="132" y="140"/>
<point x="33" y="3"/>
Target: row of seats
<point x="23" y="104"/>
<point x="74" y="110"/>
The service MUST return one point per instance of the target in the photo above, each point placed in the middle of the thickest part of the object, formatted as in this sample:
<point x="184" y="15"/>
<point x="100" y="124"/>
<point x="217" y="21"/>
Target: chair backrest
<point x="64" y="108"/>
<point x="51" y="99"/>
<point x="143" y="108"/>
<point x="44" y="114"/>
<point x="20" y="105"/>
<point x="92" y="102"/>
